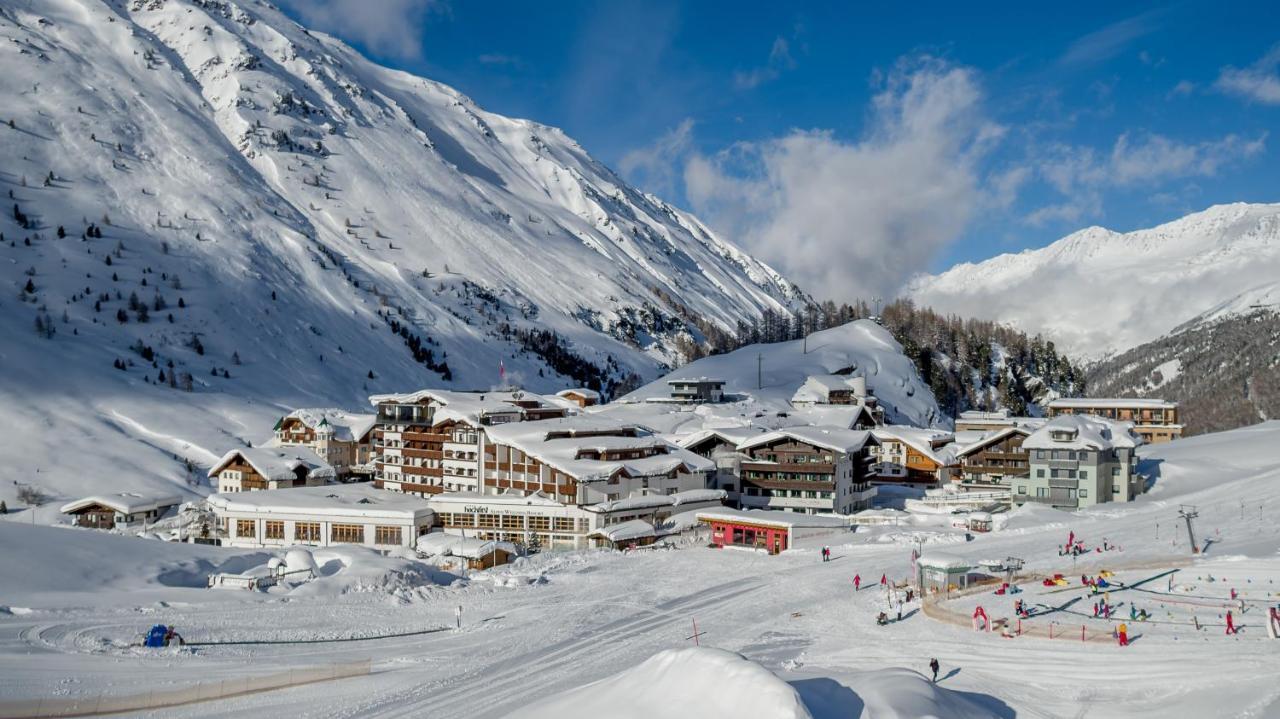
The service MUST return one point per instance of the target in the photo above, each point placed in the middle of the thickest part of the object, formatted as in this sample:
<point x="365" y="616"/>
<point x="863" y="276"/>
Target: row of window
<point x="310" y="532"/>
<point x="787" y="493"/>
<point x="531" y="522"/>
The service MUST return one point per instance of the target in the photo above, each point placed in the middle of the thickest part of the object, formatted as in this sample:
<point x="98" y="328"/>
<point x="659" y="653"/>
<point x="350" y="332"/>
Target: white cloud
<point x="779" y="59"/>
<point x="1081" y="173"/>
<point x="851" y="219"/>
<point x="655" y="167"/>
<point x="385" y="27"/>
<point x="1184" y="88"/>
<point x="1106" y="43"/>
<point x="1260" y="82"/>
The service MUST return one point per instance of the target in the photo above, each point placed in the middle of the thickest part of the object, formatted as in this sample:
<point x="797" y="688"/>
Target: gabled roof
<point x="277" y="462"/>
<point x="581" y="392"/>
<point x="935" y="444"/>
<point x="440" y="544"/>
<point x="124" y="502"/>
<point x="1089" y="432"/>
<point x="836" y="439"/>
<point x="346" y="426"/>
<point x="818" y="388"/>
<point x="991" y="438"/>
<point x="728" y="435"/>
<point x="625" y="531"/>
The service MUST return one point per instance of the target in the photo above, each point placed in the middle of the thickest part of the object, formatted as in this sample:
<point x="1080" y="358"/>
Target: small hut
<point x="942" y="572"/>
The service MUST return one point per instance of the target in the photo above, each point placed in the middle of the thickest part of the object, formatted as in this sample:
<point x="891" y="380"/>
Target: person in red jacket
<point x="857" y="582"/>
<point x="1231" y="624"/>
<point x="884" y="580"/>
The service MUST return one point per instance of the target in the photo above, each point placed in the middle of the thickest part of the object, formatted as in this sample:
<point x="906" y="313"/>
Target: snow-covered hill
<point x="207" y="195"/>
<point x="761" y="379"/>
<point x="1097" y="292"/>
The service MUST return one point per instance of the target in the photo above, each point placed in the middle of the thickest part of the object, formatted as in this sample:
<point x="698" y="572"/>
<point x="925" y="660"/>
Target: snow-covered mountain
<point x="1096" y="292"/>
<point x="300" y="226"/>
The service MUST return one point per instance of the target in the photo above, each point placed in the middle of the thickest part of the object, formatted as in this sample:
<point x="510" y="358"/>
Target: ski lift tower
<point x="1188" y="512"/>
<point x="1011" y="565"/>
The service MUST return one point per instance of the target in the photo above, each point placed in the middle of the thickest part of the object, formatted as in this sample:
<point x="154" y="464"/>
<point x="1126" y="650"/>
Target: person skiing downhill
<point x="933" y="664"/>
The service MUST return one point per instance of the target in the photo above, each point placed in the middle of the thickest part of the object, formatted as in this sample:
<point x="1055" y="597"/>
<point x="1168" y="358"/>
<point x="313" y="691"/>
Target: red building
<point x="765" y="530"/>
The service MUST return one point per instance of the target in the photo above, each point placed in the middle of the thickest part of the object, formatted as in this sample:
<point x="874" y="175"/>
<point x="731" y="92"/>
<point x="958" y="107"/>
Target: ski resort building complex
<point x="1079" y="461"/>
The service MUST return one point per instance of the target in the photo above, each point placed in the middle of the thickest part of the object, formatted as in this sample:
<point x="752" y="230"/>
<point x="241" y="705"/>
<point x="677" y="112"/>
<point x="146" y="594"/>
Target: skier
<point x="884" y="580"/>
<point x="1097" y="609"/>
<point x="1133" y="612"/>
<point x="1231" y="624"/>
<point x="933" y="664"/>
<point x="1123" y="633"/>
<point x="857" y="582"/>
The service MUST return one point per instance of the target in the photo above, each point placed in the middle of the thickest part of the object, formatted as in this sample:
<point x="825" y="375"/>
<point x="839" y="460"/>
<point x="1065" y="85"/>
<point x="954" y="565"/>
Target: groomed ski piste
<point x="599" y="633"/>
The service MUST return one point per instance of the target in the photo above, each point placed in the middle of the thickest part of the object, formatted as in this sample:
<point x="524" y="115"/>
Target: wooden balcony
<point x="802" y="468"/>
<point x="802" y="484"/>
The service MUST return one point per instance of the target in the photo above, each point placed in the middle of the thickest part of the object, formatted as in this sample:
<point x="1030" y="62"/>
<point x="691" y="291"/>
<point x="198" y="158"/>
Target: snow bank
<point x="892" y="694"/>
<point x="703" y="683"/>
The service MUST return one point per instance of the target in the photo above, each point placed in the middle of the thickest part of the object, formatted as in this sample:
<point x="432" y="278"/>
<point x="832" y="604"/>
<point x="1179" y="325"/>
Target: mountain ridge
<point x="1098" y="292"/>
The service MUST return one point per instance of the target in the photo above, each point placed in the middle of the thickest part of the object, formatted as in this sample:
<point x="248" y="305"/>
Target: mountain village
<point x="520" y="472"/>
<point x="328" y="392"/>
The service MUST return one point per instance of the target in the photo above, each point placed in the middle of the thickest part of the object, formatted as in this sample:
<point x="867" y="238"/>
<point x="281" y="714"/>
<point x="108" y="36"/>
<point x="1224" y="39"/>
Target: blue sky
<point x="935" y="133"/>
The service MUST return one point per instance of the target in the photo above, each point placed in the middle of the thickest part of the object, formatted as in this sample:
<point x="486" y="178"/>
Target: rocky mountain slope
<point x="1224" y="369"/>
<point x="1097" y="292"/>
<point x="213" y="214"/>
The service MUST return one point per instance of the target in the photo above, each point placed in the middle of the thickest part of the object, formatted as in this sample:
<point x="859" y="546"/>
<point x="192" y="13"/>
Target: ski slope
<point x="541" y="631"/>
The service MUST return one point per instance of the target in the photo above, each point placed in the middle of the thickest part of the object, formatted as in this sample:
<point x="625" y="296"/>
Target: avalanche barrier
<point x="199" y="692"/>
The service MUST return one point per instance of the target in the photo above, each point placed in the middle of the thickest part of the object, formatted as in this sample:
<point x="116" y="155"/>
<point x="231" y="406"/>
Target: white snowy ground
<point x="561" y="621"/>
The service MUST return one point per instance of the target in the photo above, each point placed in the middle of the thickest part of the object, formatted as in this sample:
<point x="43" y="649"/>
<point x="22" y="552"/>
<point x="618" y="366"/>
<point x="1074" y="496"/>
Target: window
<point x="539" y="524"/>
<point x="1071" y="494"/>
<point x="487" y="521"/>
<point x="347" y="534"/>
<point x="306" y="532"/>
<point x="1040" y="492"/>
<point x="1084" y="493"/>
<point x="386" y="535"/>
<point x="1084" y="474"/>
<point x="1040" y="473"/>
<point x="273" y="530"/>
<point x="562" y="524"/>
<point x="1115" y="489"/>
<point x="1115" y="471"/>
<point x="245" y="527"/>
<point x="512" y="521"/>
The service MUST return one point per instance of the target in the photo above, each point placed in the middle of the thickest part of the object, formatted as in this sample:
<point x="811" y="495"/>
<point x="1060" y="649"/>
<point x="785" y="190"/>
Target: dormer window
<point x="1062" y="435"/>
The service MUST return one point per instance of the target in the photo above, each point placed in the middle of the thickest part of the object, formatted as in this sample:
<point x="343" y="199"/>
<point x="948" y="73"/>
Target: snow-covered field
<point x="74" y="600"/>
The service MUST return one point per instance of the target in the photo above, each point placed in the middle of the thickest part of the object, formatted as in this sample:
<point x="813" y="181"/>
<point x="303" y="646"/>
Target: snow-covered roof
<point x="835" y="415"/>
<point x="346" y="426"/>
<point x="944" y="560"/>
<point x="581" y="392"/>
<point x="625" y="531"/>
<point x="1083" y="431"/>
<point x="124" y="502"/>
<point x="277" y="462"/>
<point x="694" y="380"/>
<point x="818" y="388"/>
<point x="772" y="518"/>
<point x="560" y="443"/>
<point x="968" y="445"/>
<point x="435" y="544"/>
<point x="938" y="445"/>
<point x="471" y="407"/>
<point x="836" y="439"/>
<point x="728" y="435"/>
<point x="509" y="497"/>
<point x="347" y="500"/>
<point x="1111" y="403"/>
<point x="646" y="501"/>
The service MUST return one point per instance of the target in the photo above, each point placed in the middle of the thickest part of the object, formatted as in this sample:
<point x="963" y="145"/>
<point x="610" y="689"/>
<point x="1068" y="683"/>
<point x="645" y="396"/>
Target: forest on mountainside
<point x="1224" y="374"/>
